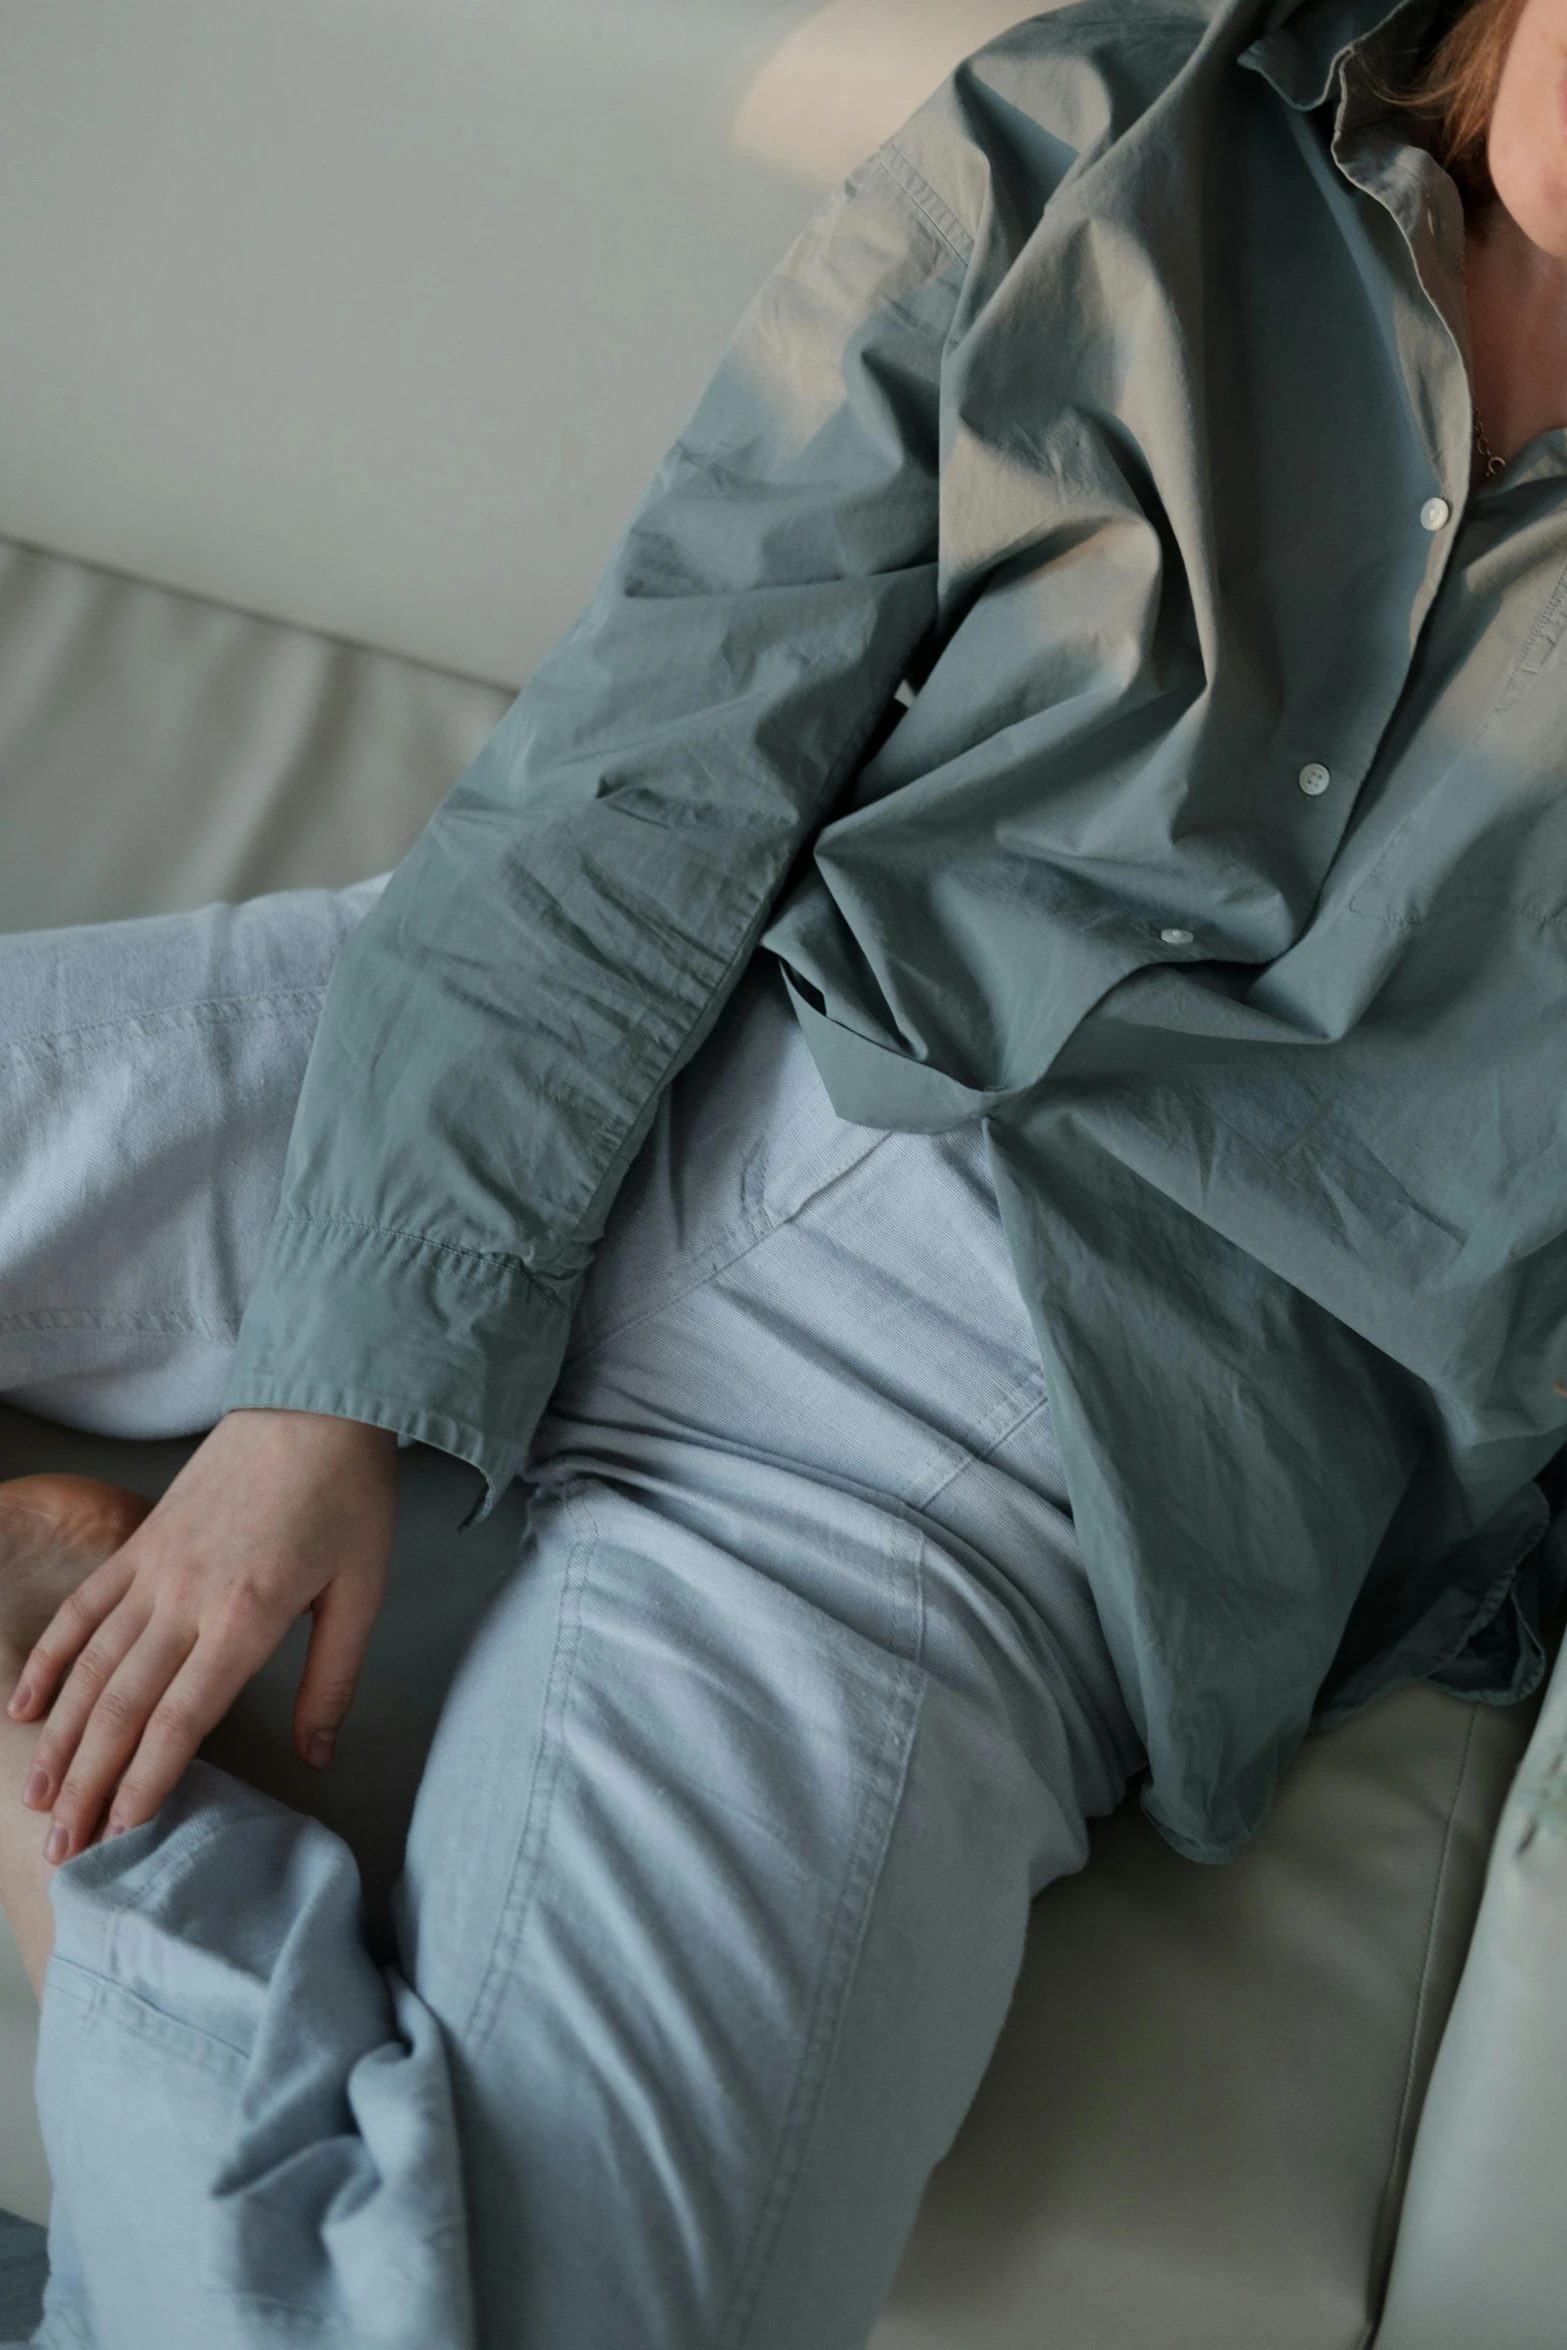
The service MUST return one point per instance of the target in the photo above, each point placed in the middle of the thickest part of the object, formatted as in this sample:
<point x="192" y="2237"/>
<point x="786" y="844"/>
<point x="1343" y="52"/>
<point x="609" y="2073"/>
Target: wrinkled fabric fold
<point x="282" y="2107"/>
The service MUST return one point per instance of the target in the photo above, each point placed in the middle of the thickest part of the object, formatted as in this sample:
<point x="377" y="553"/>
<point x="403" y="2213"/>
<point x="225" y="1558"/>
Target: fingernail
<point x="115" y="1828"/>
<point x="57" y="1842"/>
<point x="37" y="1789"/>
<point x="21" y="1698"/>
<point x="318" y="1746"/>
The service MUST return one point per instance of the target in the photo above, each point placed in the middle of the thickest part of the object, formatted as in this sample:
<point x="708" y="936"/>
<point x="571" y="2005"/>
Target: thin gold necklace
<point x="1483" y="449"/>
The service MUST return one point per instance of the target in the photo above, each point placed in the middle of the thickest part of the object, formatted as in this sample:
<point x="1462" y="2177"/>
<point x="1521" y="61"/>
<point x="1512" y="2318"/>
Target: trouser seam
<point x="729" y="1250"/>
<point x="41" y="1320"/>
<point x="544" y="1778"/>
<point x="1011" y="1414"/>
<point x="900" y="1718"/>
<point x="205" y="1011"/>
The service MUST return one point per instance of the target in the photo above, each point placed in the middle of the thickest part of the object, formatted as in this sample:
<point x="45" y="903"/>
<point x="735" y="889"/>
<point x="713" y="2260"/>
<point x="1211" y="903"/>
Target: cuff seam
<point x="479" y="1259"/>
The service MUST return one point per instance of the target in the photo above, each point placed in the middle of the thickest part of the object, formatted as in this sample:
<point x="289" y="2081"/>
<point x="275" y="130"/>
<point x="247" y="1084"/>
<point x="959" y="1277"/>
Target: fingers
<point x="136" y="1706"/>
<point x="344" y="1614"/>
<point x="55" y="1747"/>
<point x="192" y="1704"/>
<point x="110" y="1720"/>
<point x="67" y="1633"/>
<point x="276" y="1512"/>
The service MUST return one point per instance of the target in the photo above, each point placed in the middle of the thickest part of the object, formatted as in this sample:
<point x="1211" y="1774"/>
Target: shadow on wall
<point x="847" y="78"/>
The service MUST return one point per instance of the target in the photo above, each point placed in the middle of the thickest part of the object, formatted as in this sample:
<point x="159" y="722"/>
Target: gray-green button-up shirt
<point x="1120" y="405"/>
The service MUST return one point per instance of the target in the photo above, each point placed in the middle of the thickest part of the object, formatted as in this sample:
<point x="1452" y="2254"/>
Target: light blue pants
<point x="718" y="1877"/>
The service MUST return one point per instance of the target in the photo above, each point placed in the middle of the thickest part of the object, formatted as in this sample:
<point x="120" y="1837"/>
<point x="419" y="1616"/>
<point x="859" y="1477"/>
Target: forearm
<point x="498" y="1035"/>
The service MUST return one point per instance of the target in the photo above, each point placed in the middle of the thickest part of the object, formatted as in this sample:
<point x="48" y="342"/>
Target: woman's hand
<point x="276" y="1513"/>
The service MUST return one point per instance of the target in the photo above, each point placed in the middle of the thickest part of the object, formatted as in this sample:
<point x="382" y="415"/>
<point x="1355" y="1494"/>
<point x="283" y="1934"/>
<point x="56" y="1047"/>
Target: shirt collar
<point x="1303" y="41"/>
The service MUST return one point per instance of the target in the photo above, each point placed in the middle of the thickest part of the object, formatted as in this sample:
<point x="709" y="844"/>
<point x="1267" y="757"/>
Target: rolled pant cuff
<point x="243" y="2114"/>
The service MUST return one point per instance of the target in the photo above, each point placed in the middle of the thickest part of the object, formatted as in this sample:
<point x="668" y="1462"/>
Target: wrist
<point x="322" y="1431"/>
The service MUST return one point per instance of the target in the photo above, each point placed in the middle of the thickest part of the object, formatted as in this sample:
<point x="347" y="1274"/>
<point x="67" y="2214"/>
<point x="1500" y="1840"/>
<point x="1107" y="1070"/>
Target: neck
<point x="1517" y="297"/>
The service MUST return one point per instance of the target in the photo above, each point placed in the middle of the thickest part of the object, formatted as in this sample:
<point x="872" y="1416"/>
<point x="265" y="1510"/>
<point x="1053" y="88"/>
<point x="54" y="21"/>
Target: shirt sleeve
<point x="499" y="1030"/>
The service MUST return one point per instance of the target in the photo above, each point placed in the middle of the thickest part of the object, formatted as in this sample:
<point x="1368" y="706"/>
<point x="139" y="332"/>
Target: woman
<point x="1153" y="1056"/>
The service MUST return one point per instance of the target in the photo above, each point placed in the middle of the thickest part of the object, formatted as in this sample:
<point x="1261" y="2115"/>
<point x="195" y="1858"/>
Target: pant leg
<point x="248" y="2121"/>
<point x="813" y="1700"/>
<point x="148" y="1075"/>
<point x="720" y="1868"/>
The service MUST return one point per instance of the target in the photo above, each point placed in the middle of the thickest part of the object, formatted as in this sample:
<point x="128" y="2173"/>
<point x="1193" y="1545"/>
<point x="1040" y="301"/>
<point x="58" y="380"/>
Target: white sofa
<point x="338" y="344"/>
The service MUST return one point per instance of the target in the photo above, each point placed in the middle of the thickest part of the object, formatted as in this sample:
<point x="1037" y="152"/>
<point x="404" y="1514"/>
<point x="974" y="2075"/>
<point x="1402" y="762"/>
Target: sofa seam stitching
<point x="1402" y="2135"/>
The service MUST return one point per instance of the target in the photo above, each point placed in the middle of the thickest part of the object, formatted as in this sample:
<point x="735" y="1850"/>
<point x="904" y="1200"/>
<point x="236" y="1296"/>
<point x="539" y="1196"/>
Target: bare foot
<point x="53" y="1532"/>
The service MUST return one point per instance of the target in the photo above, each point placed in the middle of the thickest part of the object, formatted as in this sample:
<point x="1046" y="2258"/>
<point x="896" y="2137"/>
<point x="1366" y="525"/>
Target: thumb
<point x="343" y="1613"/>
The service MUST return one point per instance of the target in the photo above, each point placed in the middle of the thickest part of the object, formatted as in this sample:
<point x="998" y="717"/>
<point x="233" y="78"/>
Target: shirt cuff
<point x="447" y="1346"/>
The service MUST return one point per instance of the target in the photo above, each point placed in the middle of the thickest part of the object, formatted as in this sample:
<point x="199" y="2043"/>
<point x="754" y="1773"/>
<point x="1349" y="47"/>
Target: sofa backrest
<point x="379" y="319"/>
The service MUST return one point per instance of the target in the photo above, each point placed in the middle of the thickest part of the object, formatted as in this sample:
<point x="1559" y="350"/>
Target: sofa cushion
<point x="1195" y="2130"/>
<point x="159" y="752"/>
<point x="1481" y="2254"/>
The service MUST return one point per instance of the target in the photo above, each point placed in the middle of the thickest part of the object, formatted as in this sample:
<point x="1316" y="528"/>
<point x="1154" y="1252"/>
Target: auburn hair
<point x="1453" y="87"/>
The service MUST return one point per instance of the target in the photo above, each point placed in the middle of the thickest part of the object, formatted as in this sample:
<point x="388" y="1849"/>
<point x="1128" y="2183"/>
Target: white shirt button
<point x="1314" y="779"/>
<point x="1176" y="938"/>
<point x="1436" y="513"/>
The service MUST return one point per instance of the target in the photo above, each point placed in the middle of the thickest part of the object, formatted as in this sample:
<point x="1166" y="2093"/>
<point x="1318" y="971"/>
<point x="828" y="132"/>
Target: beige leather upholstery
<point x="1194" y="2133"/>
<point x="1482" y="2248"/>
<point x="158" y="752"/>
<point x="1196" y="2127"/>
